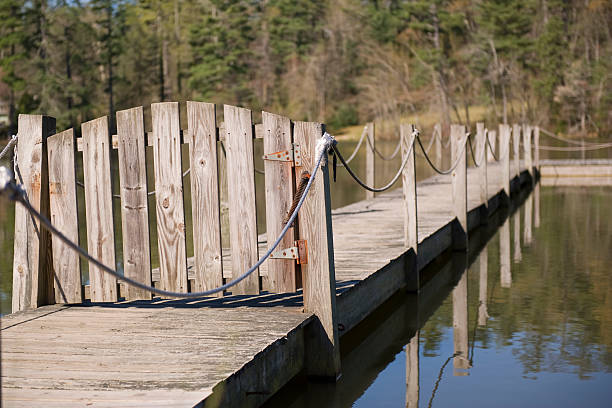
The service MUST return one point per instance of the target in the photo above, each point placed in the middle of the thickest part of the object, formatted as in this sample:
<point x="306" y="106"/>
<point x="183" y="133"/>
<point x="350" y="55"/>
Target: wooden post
<point x="493" y="142"/>
<point x="169" y="204"/>
<point x="528" y="220"/>
<point x="504" y="156"/>
<point x="411" y="239"/>
<point x="527" y="149"/>
<point x="536" y="148"/>
<point x="516" y="140"/>
<point x="279" y="176"/>
<point x="134" y="200"/>
<point x="516" y="219"/>
<point x="437" y="133"/>
<point x="504" y="254"/>
<point x="412" y="372"/>
<point x="65" y="216"/>
<point x="370" y="159"/>
<point x="99" y="207"/>
<point x="459" y="186"/>
<point x="205" y="196"/>
<point x="241" y="196"/>
<point x="319" y="280"/>
<point x="481" y="154"/>
<point x="461" y="360"/>
<point x="32" y="263"/>
<point x="482" y="287"/>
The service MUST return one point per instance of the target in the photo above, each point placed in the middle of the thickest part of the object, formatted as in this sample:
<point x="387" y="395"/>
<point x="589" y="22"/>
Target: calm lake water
<point x="536" y="334"/>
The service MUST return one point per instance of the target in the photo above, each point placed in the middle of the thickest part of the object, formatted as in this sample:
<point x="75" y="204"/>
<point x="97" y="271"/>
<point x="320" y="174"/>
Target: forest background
<point x="343" y="62"/>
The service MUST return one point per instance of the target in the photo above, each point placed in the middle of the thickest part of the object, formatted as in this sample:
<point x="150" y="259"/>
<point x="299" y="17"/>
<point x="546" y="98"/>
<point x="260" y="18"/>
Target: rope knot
<point x="324" y="144"/>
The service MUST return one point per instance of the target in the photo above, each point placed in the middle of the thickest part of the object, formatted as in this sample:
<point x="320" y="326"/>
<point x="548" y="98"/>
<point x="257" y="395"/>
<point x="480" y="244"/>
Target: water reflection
<point x="541" y="337"/>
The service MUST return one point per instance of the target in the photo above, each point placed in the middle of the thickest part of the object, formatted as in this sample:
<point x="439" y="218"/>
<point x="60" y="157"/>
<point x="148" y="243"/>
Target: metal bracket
<point x="294" y="155"/>
<point x="299" y="252"/>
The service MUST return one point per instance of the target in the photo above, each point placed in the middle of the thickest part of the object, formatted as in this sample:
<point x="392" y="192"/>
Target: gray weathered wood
<point x="536" y="148"/>
<point x="411" y="238"/>
<point x="205" y="196"/>
<point x="241" y="197"/>
<point x="493" y="142"/>
<point x="461" y="360"/>
<point x="99" y="207"/>
<point x="528" y="224"/>
<point x="536" y="206"/>
<point x="169" y="196"/>
<point x="483" y="314"/>
<point x="32" y="263"/>
<point x="134" y="204"/>
<point x="459" y="186"/>
<point x="412" y="372"/>
<point x="481" y="156"/>
<point x="319" y="274"/>
<point x="505" y="272"/>
<point x="527" y="149"/>
<point x="516" y="141"/>
<point x="504" y="156"/>
<point x="516" y="220"/>
<point x="279" y="178"/>
<point x="64" y="216"/>
<point x="370" y="162"/>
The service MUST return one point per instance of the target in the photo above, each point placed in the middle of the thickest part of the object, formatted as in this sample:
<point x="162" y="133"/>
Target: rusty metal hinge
<point x="299" y="252"/>
<point x="293" y="155"/>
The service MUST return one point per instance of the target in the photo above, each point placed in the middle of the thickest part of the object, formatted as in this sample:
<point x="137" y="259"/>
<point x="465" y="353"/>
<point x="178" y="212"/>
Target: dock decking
<point x="230" y="351"/>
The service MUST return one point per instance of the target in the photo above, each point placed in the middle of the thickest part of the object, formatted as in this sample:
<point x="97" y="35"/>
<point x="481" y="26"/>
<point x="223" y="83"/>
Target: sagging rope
<point x="8" y="146"/>
<point x="436" y="134"/>
<point x="386" y="158"/>
<point x="477" y="163"/>
<point x="371" y="188"/>
<point x="491" y="149"/>
<point x="17" y="193"/>
<point x="562" y="139"/>
<point x="433" y="166"/>
<point x="576" y="148"/>
<point x="352" y="156"/>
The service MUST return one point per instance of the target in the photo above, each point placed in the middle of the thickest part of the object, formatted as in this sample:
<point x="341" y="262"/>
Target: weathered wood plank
<point x="205" y="196"/>
<point x="481" y="156"/>
<point x="516" y="141"/>
<point x="279" y="196"/>
<point x="536" y="147"/>
<point x="527" y="148"/>
<point x="319" y="274"/>
<point x="134" y="204"/>
<point x="491" y="151"/>
<point x="370" y="162"/>
<point x="169" y="197"/>
<point x="64" y="216"/>
<point x="411" y="238"/>
<point x="32" y="266"/>
<point x="241" y="196"/>
<point x="99" y="207"/>
<point x="504" y="156"/>
<point x="459" y="185"/>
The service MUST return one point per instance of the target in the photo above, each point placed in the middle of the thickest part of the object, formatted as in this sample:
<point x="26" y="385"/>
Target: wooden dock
<point x="587" y="172"/>
<point x="232" y="351"/>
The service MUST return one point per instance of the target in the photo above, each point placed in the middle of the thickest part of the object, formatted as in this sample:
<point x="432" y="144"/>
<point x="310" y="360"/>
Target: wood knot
<point x="166" y="203"/>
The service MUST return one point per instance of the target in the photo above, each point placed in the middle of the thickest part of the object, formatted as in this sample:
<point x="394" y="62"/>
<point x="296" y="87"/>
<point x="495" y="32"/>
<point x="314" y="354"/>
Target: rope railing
<point x="434" y="136"/>
<point x="16" y="193"/>
<point x="8" y="146"/>
<point x="563" y="139"/>
<point x="491" y="149"/>
<point x="372" y="188"/>
<point x="433" y="166"/>
<point x="382" y="156"/>
<point x="476" y="163"/>
<point x="575" y="148"/>
<point x="352" y="156"/>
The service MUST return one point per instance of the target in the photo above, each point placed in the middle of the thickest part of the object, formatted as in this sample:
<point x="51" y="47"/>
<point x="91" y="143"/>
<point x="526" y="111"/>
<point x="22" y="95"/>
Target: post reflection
<point x="516" y="220"/>
<point x="460" y="327"/>
<point x="528" y="220"/>
<point x="412" y="372"/>
<point x="482" y="287"/>
<point x="536" y="204"/>
<point x="504" y="254"/>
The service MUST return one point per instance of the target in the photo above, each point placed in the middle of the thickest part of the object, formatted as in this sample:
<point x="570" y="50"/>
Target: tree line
<point x="340" y="62"/>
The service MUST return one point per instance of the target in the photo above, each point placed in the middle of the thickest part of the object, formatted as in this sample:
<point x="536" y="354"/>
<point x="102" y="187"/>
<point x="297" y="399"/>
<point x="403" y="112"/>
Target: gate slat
<point x="205" y="196"/>
<point x="99" y="207"/>
<point x="241" y="196"/>
<point x="169" y="196"/>
<point x="279" y="195"/>
<point x="64" y="216"/>
<point x="134" y="207"/>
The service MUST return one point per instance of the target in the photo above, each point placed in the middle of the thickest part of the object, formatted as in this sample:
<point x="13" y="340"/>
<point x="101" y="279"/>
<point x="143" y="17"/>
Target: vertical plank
<point x="504" y="156"/>
<point x="493" y="142"/>
<point x="241" y="196"/>
<point x="64" y="215"/>
<point x="481" y="150"/>
<point x="516" y="220"/>
<point x="482" y="287"/>
<point x="516" y="140"/>
<point x="409" y="187"/>
<point x="459" y="186"/>
<point x="412" y="372"/>
<point x="319" y="278"/>
<point x="527" y="149"/>
<point x="504" y="255"/>
<point x="99" y="207"/>
<point x="528" y="220"/>
<point x="536" y="148"/>
<point x="461" y="360"/>
<point x="208" y="266"/>
<point x="134" y="203"/>
<point x="370" y="163"/>
<point x="438" y="144"/>
<point x="169" y="196"/>
<point x="32" y="263"/>
<point x="279" y="183"/>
